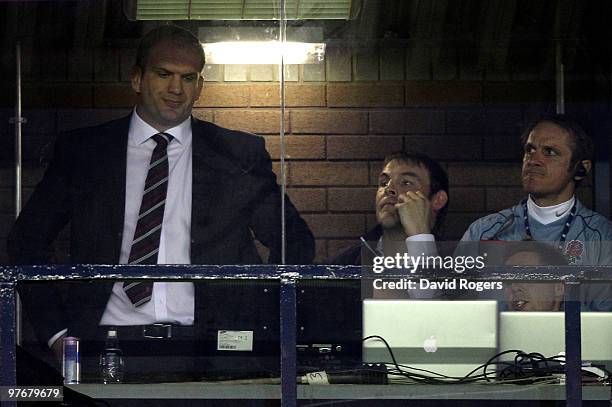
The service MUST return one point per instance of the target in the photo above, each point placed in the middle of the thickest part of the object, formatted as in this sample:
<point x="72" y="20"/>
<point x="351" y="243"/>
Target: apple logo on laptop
<point x="430" y="345"/>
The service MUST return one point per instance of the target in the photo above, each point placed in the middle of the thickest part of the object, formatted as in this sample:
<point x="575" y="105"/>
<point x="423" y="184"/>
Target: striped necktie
<point x="145" y="245"/>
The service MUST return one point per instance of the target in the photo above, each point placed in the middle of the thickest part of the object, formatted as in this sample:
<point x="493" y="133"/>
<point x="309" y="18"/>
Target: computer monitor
<point x="328" y="324"/>
<point x="544" y="332"/>
<point x="240" y="329"/>
<point x="447" y="337"/>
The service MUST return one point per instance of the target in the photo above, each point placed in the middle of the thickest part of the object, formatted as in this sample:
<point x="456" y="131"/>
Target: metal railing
<point x="10" y="276"/>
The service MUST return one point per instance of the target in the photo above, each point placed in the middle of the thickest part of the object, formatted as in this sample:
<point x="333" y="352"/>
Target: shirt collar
<point x="140" y="131"/>
<point x="549" y="214"/>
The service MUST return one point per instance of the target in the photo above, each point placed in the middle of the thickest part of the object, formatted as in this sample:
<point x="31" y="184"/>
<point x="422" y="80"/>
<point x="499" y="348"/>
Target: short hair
<point x="548" y="254"/>
<point x="438" y="180"/>
<point x="582" y="144"/>
<point x="178" y="36"/>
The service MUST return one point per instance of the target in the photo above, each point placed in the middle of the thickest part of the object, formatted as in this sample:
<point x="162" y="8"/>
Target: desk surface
<point x="336" y="392"/>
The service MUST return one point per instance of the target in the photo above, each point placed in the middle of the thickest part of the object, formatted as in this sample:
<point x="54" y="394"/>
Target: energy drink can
<point x="71" y="362"/>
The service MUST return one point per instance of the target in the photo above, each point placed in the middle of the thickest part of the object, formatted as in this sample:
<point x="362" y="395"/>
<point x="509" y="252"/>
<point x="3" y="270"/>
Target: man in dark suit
<point x="156" y="187"/>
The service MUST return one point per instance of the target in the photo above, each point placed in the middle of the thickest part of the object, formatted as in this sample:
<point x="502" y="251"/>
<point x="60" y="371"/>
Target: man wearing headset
<point x="557" y="157"/>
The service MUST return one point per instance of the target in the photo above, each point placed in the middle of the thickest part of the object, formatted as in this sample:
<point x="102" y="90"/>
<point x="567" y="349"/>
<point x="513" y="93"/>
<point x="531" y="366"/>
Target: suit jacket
<point x="235" y="196"/>
<point x="358" y="255"/>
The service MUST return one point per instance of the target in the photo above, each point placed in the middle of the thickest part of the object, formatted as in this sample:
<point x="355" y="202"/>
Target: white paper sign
<point x="235" y="340"/>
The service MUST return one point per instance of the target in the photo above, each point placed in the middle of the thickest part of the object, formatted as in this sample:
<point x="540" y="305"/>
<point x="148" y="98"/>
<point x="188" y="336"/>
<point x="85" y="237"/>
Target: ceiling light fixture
<point x="264" y="52"/>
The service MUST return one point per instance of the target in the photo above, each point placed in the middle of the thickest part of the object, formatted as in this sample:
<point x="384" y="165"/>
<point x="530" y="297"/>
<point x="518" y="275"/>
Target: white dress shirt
<point x="422" y="244"/>
<point x="171" y="302"/>
<point x="416" y="245"/>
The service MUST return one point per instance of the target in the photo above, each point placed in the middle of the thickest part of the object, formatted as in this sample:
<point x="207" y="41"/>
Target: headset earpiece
<point x="581" y="172"/>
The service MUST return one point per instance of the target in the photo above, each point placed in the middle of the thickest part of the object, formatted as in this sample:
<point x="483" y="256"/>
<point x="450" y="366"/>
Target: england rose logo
<point x="573" y="251"/>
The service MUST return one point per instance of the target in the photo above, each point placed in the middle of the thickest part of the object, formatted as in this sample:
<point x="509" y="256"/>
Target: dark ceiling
<point x="501" y="33"/>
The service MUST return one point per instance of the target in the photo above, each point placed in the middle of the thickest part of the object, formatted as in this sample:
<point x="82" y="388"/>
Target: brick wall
<point x="340" y="120"/>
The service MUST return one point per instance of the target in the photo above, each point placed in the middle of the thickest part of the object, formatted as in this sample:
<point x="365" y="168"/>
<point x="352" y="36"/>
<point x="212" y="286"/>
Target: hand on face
<point x="415" y="214"/>
<point x="403" y="203"/>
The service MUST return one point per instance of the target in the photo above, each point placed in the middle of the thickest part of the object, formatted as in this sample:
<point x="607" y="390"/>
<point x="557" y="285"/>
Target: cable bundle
<point x="526" y="368"/>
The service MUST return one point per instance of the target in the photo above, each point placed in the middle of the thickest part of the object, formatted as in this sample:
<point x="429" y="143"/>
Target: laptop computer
<point x="544" y="332"/>
<point x="451" y="338"/>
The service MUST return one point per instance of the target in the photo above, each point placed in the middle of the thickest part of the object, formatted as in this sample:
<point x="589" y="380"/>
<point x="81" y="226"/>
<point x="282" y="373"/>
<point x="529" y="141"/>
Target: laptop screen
<point x="544" y="332"/>
<point x="447" y="337"/>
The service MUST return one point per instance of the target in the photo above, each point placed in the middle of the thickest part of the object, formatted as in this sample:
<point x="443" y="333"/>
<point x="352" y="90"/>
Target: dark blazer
<point x="358" y="254"/>
<point x="235" y="196"/>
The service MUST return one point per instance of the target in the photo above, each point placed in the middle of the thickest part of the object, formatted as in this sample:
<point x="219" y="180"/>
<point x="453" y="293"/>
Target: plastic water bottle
<point x="111" y="360"/>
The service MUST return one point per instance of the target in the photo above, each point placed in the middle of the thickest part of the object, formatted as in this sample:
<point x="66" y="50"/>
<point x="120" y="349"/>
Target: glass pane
<point x="379" y="121"/>
<point x="432" y="98"/>
<point x="81" y="83"/>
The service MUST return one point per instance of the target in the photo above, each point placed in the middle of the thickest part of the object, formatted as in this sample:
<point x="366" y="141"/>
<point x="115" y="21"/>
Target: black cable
<point x="530" y="367"/>
<point x="433" y="380"/>
<point x="489" y="362"/>
<point x="505" y="225"/>
<point x="386" y="344"/>
<point x="508" y="220"/>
